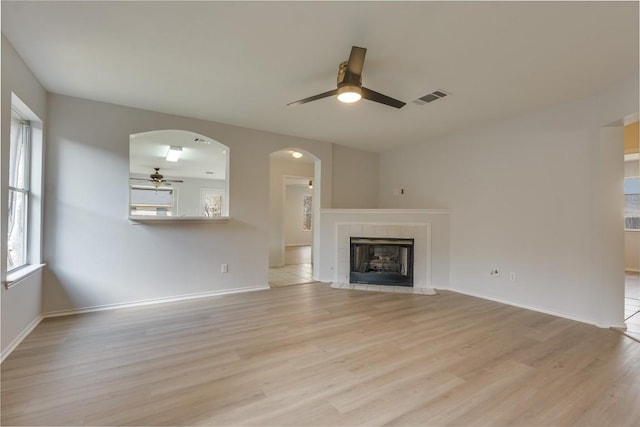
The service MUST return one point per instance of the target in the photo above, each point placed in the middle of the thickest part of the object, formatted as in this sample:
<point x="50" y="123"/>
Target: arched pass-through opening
<point x="295" y="189"/>
<point x="177" y="174"/>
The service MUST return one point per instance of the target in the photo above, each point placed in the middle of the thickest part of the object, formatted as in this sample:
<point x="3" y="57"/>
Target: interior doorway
<point x="294" y="197"/>
<point x="632" y="227"/>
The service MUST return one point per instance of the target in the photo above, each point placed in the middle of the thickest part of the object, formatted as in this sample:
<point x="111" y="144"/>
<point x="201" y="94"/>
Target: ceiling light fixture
<point x="349" y="94"/>
<point x="174" y="153"/>
<point x="296" y="155"/>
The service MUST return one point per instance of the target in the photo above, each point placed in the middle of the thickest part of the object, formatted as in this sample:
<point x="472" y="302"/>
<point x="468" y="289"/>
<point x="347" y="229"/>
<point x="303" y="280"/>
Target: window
<point x="19" y="162"/>
<point x="306" y="212"/>
<point x="148" y="200"/>
<point x="632" y="203"/>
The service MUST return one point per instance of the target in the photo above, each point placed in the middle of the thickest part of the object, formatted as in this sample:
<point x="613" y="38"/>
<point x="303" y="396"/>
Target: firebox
<point x="381" y="261"/>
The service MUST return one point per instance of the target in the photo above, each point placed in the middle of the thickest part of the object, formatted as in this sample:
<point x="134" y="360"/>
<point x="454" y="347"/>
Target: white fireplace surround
<point x="428" y="227"/>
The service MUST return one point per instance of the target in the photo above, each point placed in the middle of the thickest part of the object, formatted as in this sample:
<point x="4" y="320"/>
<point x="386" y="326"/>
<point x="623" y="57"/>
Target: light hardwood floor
<point x="312" y="355"/>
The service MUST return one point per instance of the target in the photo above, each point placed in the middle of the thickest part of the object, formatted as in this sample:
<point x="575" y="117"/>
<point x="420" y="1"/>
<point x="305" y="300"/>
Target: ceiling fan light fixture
<point x="349" y="94"/>
<point x="174" y="153"/>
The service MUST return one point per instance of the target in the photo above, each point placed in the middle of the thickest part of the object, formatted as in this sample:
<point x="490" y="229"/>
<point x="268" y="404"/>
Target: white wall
<point x="278" y="170"/>
<point x="356" y="176"/>
<point x="294" y="214"/>
<point x="97" y="257"/>
<point x="530" y="195"/>
<point x="188" y="194"/>
<point x="21" y="304"/>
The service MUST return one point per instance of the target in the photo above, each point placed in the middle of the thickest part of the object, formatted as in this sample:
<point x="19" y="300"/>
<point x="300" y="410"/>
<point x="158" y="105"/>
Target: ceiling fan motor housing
<point x="346" y="78"/>
<point x="156" y="175"/>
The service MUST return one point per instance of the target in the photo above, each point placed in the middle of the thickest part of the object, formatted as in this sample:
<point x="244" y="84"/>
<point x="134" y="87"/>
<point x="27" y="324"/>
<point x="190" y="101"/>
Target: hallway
<point x="297" y="270"/>
<point x="632" y="304"/>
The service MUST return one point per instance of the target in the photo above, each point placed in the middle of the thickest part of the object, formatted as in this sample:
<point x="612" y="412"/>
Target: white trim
<point x="538" y="309"/>
<point x="152" y="301"/>
<point x="149" y="219"/>
<point x="15" y="277"/>
<point x="384" y="288"/>
<point x="385" y="211"/>
<point x="17" y="340"/>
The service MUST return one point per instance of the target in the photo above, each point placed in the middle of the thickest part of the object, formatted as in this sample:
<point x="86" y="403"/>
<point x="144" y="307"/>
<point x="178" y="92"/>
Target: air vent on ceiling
<point x="430" y="97"/>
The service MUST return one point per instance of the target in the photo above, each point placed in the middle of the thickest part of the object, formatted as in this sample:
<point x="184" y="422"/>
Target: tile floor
<point x="294" y="274"/>
<point x="632" y="305"/>
<point x="297" y="269"/>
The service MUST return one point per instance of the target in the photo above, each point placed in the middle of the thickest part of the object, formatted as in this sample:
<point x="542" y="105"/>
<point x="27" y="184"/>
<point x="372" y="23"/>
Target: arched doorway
<point x="294" y="205"/>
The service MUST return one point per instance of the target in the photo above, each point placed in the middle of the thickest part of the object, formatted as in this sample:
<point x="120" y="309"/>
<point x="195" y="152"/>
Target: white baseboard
<point x="150" y="302"/>
<point x="539" y="309"/>
<point x="7" y="351"/>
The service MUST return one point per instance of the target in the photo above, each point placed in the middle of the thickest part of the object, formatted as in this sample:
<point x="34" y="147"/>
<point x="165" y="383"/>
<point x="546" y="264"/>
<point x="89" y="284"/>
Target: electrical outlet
<point x="494" y="272"/>
<point x="224" y="268"/>
<point x="512" y="276"/>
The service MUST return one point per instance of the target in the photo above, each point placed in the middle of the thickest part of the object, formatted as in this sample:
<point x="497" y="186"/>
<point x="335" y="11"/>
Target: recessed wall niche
<point x="177" y="174"/>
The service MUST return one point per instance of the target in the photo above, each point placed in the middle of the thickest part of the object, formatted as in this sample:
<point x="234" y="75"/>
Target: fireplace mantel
<point x="428" y="227"/>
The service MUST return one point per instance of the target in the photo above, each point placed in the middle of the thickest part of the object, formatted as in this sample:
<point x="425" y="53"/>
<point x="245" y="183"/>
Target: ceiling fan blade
<point x="172" y="180"/>
<point x="356" y="60"/>
<point x="314" y="98"/>
<point x="372" y="95"/>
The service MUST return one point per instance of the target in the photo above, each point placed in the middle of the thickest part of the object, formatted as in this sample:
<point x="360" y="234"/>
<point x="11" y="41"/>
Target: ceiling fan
<point x="350" y="87"/>
<point x="157" y="179"/>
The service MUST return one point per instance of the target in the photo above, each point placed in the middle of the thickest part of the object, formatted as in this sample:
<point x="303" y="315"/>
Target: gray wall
<point x="355" y="176"/>
<point x="538" y="195"/>
<point x="96" y="257"/>
<point x="20" y="305"/>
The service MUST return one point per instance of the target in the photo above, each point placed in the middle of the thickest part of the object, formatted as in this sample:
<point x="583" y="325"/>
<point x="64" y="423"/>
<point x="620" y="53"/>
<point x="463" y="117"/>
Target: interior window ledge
<point x="18" y="276"/>
<point x="142" y="219"/>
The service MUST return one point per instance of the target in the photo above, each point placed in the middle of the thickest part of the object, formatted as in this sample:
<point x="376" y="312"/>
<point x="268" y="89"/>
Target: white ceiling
<point x="242" y="62"/>
<point x="287" y="155"/>
<point x="204" y="158"/>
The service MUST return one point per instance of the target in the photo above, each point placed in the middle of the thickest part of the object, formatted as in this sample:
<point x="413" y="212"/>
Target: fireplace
<point x="381" y="261"/>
